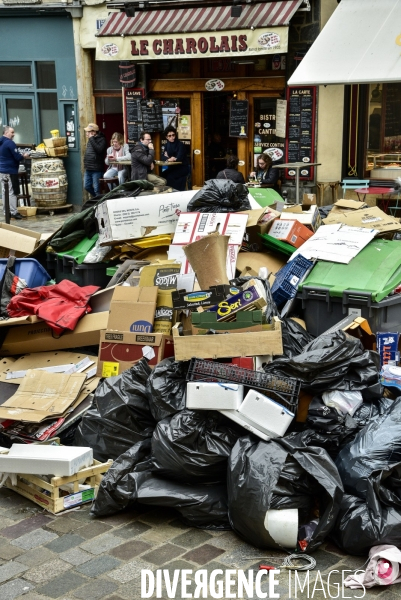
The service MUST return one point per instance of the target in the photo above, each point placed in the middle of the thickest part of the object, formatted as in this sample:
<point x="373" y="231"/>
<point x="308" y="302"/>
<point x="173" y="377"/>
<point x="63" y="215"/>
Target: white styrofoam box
<point x="45" y="460"/>
<point x="203" y="395"/>
<point x="237" y="417"/>
<point x="264" y="413"/>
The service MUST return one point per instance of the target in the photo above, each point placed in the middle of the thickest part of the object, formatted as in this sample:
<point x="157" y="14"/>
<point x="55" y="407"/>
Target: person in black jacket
<point x="175" y="151"/>
<point x="264" y="173"/>
<point x="231" y="172"/>
<point x="94" y="159"/>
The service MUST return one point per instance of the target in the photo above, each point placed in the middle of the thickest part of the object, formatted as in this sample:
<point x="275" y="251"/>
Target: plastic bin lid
<point x="275" y="244"/>
<point x="80" y="251"/>
<point x="376" y="270"/>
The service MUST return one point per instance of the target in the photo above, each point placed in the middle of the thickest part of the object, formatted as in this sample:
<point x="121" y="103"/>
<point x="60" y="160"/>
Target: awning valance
<point x="215" y="18"/>
<point x="361" y="43"/>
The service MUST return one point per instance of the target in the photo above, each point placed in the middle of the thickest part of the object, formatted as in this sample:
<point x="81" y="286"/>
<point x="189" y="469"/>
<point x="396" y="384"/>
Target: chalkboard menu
<point x="392" y="126"/>
<point x="238" y="123"/>
<point x="132" y="114"/>
<point x="152" y="116"/>
<point x="301" y="104"/>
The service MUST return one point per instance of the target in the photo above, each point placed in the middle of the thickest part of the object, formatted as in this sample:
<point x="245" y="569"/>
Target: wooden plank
<point x="242" y="144"/>
<point x="256" y="84"/>
<point x="197" y="160"/>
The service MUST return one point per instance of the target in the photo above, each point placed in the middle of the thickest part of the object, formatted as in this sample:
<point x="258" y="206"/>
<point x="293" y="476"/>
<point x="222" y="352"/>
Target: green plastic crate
<point x="278" y="245"/>
<point x="376" y="270"/>
<point x="80" y="251"/>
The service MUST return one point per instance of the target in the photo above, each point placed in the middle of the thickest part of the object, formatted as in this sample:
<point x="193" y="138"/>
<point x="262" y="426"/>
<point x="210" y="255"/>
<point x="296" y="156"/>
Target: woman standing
<point x="117" y="151"/>
<point x="265" y="173"/>
<point x="175" y="152"/>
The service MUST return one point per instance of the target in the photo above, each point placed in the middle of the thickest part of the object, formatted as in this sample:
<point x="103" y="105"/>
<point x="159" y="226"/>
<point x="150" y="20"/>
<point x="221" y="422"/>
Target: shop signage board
<point x="213" y="44"/>
<point x="238" y="122"/>
<point x="301" y="116"/>
<point x="281" y="118"/>
<point x="265" y="138"/>
<point x="132" y="114"/>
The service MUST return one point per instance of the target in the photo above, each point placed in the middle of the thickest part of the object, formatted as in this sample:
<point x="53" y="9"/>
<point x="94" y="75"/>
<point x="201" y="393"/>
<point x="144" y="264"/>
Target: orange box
<point x="292" y="232"/>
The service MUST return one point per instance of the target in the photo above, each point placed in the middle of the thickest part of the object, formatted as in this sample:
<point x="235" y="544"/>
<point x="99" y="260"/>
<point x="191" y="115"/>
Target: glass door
<point x="19" y="111"/>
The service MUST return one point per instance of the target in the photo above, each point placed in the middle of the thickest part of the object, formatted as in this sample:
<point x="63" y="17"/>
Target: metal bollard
<point x="6" y="200"/>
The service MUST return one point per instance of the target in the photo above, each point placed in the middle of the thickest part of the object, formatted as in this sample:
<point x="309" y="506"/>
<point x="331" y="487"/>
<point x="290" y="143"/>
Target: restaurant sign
<point x="248" y="42"/>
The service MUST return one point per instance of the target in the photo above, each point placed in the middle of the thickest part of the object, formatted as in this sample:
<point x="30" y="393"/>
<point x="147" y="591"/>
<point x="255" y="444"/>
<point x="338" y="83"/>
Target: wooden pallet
<point x="49" y="495"/>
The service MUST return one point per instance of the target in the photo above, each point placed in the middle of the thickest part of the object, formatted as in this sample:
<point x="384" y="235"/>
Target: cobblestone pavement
<point x="73" y="556"/>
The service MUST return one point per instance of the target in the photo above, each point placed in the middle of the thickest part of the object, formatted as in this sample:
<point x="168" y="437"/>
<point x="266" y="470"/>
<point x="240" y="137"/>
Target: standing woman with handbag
<point x="175" y="151"/>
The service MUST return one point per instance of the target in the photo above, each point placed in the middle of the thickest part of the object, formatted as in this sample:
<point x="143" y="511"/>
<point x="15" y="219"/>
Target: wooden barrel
<point x="49" y="182"/>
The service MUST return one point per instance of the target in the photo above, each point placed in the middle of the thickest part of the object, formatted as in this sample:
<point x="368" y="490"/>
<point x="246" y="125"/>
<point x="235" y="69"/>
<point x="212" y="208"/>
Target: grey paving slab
<point x="14" y="589"/>
<point x="10" y="570"/>
<point x="93" y="529"/>
<point x="62" y="585"/>
<point x="34" y="539"/>
<point x="75" y="556"/>
<point x="98" y="566"/>
<point x="64" y="525"/>
<point x="34" y="557"/>
<point x="95" y="590"/>
<point x="47" y="571"/>
<point x="132" y="530"/>
<point x="65" y="542"/>
<point x="8" y="552"/>
<point x="130" y="570"/>
<point x="192" y="538"/>
<point x="101" y="544"/>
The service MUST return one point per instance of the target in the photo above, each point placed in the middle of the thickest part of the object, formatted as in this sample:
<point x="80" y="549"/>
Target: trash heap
<point x="236" y="357"/>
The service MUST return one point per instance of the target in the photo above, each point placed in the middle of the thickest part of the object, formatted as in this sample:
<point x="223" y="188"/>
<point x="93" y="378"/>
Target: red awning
<point x="201" y="19"/>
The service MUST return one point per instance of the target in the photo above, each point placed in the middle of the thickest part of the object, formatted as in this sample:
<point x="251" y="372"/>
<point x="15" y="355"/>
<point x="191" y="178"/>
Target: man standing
<point x="94" y="159"/>
<point x="142" y="160"/>
<point x="10" y="159"/>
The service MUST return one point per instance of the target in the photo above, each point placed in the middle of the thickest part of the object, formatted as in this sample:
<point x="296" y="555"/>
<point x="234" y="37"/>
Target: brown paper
<point x="208" y="257"/>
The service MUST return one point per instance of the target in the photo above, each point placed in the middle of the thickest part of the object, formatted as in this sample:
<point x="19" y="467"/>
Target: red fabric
<point x="60" y="305"/>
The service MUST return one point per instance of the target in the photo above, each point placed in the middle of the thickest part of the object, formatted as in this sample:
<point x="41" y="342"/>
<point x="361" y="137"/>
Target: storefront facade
<point x="196" y="64"/>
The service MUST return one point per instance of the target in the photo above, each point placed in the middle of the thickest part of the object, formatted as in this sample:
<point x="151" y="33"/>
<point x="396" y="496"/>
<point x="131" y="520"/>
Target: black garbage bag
<point x="130" y="481"/>
<point x="295" y="337"/>
<point x="333" y="361"/>
<point x="220" y="196"/>
<point x="193" y="447"/>
<point x="119" y="416"/>
<point x="376" y="448"/>
<point x="166" y="388"/>
<point x="327" y="429"/>
<point x="271" y="308"/>
<point x="280" y="475"/>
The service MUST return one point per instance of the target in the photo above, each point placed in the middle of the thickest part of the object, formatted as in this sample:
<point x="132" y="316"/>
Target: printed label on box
<point x="110" y="369"/>
<point x="114" y="336"/>
<point x="79" y="498"/>
<point x="146" y="339"/>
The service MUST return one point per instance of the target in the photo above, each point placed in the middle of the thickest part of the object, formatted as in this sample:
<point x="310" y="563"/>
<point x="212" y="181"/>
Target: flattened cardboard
<point x="20" y="321"/>
<point x="42" y="395"/>
<point x="37" y="360"/>
<point x="133" y="309"/>
<point x="21" y="340"/>
<point x="369" y="218"/>
<point x="344" y="205"/>
<point x="118" y="351"/>
<point x="229" y="345"/>
<point x="21" y="241"/>
<point x="256" y="260"/>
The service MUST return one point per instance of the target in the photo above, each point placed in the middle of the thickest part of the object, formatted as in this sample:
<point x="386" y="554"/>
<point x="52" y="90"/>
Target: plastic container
<point x="66" y="267"/>
<point x="321" y="310"/>
<point x="288" y="278"/>
<point x="28" y="269"/>
<point x="80" y="251"/>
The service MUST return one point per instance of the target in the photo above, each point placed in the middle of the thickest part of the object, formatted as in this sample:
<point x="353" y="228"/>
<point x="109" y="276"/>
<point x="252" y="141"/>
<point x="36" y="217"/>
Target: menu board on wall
<point x="301" y="105"/>
<point x="132" y="114"/>
<point x="238" y="122"/>
<point x="265" y="139"/>
<point x="392" y="125"/>
<point x="152" y="116"/>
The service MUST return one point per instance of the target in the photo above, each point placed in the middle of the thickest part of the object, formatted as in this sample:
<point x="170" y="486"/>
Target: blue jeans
<point x="91" y="182"/>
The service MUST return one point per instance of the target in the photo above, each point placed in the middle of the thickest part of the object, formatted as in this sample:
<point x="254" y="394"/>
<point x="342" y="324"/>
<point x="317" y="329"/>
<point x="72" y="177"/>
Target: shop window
<point x="107" y="75"/>
<point x="46" y="75"/>
<point x="173" y="66"/>
<point x="48" y="111"/>
<point x="15" y="75"/>
<point x="20" y="116"/>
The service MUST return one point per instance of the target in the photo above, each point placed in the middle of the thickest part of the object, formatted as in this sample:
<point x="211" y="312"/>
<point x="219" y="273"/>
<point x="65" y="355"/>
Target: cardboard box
<point x="256" y="260"/>
<point x="308" y="216"/>
<point x="344" y="205"/>
<point x="308" y="200"/>
<point x="133" y="309"/>
<point x="21" y="240"/>
<point x="244" y="321"/>
<point x="42" y="395"/>
<point x="120" y="350"/>
<point x="193" y="300"/>
<point x="27" y="211"/>
<point x="137" y="217"/>
<point x="227" y="346"/>
<point x="259" y="221"/>
<point x="31" y="337"/>
<point x="292" y="232"/>
<point x="252" y="297"/>
<point x="163" y="274"/>
<point x="369" y="218"/>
